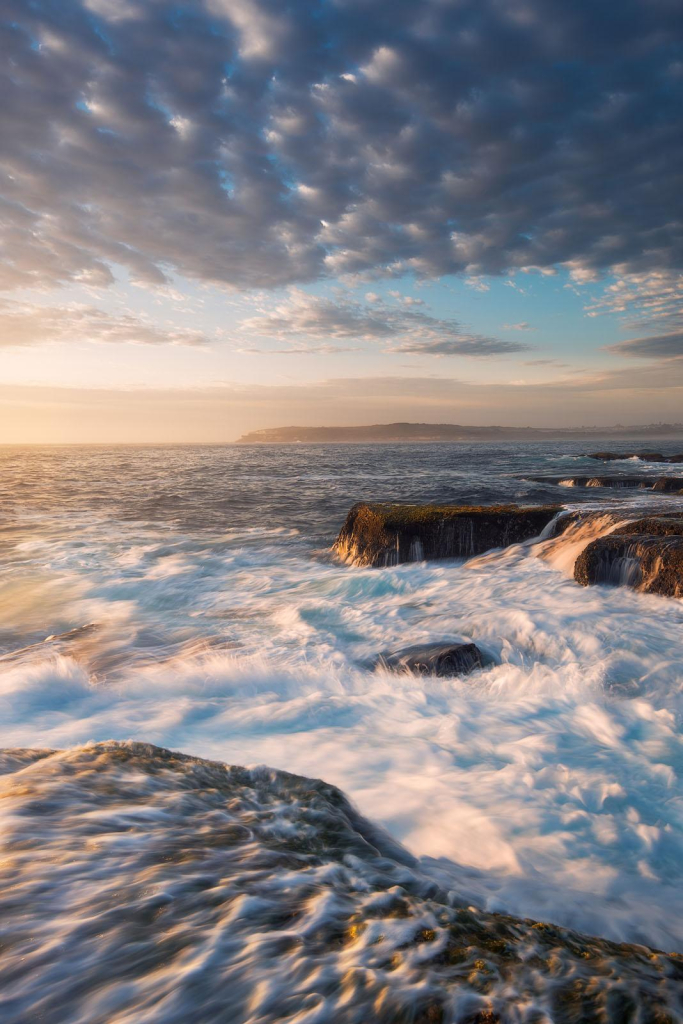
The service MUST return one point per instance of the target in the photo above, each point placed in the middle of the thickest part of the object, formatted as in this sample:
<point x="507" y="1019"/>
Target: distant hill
<point x="416" y="432"/>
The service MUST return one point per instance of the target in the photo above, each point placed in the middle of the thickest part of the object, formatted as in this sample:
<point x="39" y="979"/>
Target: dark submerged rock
<point x="607" y="456"/>
<point x="644" y="456"/>
<point x="383" y="534"/>
<point x="442" y="659"/>
<point x="650" y="456"/>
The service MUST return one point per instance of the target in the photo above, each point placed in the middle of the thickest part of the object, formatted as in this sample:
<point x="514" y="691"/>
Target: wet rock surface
<point x="203" y="892"/>
<point x="603" y="481"/>
<point x="646" y="554"/>
<point x="382" y="534"/>
<point x="663" y="484"/>
<point x="664" y="524"/>
<point x="439" y="659"/>
<point x="643" y="456"/>
<point x="669" y="484"/>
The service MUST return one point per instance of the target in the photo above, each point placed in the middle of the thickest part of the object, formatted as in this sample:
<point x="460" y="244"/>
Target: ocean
<point x="187" y="596"/>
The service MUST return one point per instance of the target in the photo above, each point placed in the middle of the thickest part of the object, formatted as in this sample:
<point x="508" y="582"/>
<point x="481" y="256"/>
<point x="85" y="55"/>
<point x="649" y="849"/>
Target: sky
<point x="227" y="215"/>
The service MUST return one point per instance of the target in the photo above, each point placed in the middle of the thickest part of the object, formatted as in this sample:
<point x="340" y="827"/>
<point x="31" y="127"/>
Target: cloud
<point x="308" y="316"/>
<point x="405" y="328"/>
<point x="545" y="362"/>
<point x="406" y="300"/>
<point x="523" y="326"/>
<point x="476" y="345"/>
<point x="661" y="346"/>
<point x="22" y="324"/>
<point x="259" y="144"/>
<point x="308" y="350"/>
<point x="643" y="301"/>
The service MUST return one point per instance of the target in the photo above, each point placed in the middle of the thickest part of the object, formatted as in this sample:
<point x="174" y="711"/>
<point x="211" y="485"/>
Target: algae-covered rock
<point x="664" y="524"/>
<point x="386" y="534"/>
<point x="439" y="659"/>
<point x="650" y="562"/>
<point x="669" y="484"/>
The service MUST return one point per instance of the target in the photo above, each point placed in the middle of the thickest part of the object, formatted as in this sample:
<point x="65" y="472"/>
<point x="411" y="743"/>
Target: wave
<point x="545" y="784"/>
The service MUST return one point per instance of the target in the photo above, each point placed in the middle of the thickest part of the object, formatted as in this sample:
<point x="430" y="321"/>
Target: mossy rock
<point x="668" y="485"/>
<point x="382" y="534"/>
<point x="648" y="562"/>
<point x="669" y="525"/>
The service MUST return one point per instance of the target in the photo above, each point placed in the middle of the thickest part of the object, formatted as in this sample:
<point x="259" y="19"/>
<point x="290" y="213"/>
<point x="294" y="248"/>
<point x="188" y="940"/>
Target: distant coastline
<point x="394" y="433"/>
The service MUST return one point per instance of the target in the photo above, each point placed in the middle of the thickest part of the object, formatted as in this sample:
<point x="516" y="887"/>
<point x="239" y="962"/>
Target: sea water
<point x="188" y="596"/>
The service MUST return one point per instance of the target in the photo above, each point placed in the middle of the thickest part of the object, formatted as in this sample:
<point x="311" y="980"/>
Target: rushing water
<point x="204" y="611"/>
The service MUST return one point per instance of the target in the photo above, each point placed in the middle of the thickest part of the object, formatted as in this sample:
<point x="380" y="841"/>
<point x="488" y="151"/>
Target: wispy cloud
<point x="25" y="324"/>
<point x="545" y="362"/>
<point x="400" y="326"/>
<point x="658" y="346"/>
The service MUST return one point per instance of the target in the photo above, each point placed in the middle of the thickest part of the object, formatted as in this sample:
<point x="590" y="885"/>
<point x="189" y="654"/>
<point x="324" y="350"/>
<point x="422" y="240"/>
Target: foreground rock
<point x="138" y="884"/>
<point x="446" y="660"/>
<point x="646" y="554"/>
<point x="643" y="456"/>
<point x="383" y="534"/>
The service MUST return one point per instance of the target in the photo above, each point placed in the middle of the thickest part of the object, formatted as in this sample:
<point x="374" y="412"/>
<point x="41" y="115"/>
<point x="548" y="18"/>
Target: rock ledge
<point x="382" y="534"/>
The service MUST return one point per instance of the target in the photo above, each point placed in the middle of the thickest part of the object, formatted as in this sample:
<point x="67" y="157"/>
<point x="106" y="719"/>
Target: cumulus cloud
<point x="303" y="316"/>
<point x="260" y="144"/>
<point x="659" y="346"/>
<point x="23" y="324"/>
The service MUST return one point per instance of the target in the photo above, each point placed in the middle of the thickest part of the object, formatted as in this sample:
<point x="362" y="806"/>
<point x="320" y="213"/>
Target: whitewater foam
<point x="213" y="893"/>
<point x="545" y="784"/>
